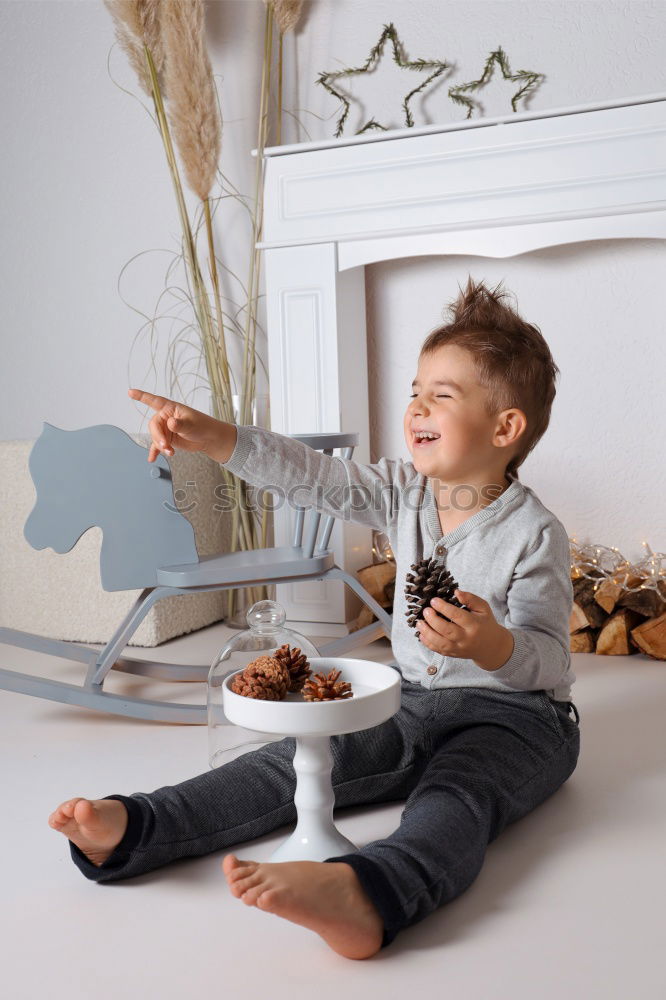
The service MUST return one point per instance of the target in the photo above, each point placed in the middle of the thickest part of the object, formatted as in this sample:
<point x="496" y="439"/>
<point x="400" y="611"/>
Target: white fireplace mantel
<point x="494" y="187"/>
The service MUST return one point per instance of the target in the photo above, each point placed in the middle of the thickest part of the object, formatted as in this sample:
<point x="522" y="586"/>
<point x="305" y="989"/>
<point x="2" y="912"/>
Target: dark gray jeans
<point x="467" y="760"/>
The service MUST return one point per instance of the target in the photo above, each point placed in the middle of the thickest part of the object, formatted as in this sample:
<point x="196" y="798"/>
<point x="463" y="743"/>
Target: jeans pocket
<point x="565" y="718"/>
<point x="552" y="713"/>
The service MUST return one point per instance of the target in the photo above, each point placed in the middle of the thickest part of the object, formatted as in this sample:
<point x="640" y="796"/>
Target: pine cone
<point x="323" y="687"/>
<point x="296" y="663"/>
<point x="429" y="579"/>
<point x="265" y="678"/>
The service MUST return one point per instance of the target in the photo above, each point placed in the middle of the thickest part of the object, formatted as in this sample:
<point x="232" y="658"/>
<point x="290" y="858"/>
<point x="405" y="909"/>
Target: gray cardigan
<point x="514" y="553"/>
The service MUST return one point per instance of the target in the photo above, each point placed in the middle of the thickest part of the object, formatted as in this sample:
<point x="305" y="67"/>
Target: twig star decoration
<point x="370" y="64"/>
<point x="531" y="80"/>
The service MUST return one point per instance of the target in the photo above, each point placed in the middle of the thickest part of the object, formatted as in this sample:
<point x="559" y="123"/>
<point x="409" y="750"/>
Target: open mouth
<point x="424" y="442"/>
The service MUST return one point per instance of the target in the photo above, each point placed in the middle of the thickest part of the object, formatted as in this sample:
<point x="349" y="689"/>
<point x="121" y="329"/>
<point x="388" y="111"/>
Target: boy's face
<point x="462" y="452"/>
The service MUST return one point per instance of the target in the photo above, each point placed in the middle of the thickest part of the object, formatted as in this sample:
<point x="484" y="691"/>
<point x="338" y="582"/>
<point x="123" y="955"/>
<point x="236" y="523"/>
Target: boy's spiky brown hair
<point x="512" y="359"/>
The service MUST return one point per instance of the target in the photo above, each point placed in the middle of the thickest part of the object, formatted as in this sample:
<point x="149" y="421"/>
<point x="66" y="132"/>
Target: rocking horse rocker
<point x="99" y="476"/>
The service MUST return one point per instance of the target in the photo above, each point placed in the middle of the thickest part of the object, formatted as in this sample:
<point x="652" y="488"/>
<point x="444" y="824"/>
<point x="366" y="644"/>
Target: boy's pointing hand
<point x="472" y="635"/>
<point x="175" y="425"/>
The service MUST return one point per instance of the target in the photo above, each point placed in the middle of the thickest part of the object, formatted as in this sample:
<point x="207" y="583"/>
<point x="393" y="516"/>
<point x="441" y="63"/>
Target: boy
<point x="484" y="732"/>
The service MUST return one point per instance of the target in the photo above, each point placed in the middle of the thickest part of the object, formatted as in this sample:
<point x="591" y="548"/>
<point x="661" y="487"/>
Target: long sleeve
<point x="304" y="477"/>
<point x="539" y="601"/>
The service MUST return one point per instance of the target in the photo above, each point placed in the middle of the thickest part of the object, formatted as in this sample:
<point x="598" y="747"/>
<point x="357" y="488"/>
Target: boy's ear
<point x="511" y="426"/>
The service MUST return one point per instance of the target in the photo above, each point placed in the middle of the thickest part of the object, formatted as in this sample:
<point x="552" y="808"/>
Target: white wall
<point x="85" y="188"/>
<point x="600" y="466"/>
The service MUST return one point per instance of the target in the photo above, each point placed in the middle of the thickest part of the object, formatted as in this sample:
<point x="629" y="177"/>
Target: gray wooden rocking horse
<point x="149" y="544"/>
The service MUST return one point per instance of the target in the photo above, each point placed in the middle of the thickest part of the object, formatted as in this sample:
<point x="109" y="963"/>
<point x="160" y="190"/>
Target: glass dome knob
<point x="265" y="616"/>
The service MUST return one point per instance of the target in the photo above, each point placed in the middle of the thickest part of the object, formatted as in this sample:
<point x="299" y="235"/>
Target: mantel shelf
<point x="505" y="119"/>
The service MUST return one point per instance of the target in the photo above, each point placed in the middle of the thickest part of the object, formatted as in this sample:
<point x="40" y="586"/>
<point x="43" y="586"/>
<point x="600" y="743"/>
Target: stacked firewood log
<point x="379" y="581"/>
<point x="617" y="621"/>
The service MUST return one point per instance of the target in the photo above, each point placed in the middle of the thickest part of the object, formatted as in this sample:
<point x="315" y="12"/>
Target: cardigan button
<point x="432" y="670"/>
<point x="440" y="550"/>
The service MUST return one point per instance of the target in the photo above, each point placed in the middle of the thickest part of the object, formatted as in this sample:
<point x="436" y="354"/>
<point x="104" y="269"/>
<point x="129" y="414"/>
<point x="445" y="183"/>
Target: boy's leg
<point x="494" y="759"/>
<point x="254" y="794"/>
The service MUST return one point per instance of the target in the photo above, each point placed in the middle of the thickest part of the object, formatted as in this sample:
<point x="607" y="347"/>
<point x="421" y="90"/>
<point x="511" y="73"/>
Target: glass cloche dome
<point x="266" y="632"/>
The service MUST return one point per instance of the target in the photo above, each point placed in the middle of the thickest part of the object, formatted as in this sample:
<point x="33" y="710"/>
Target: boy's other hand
<point x="174" y="425"/>
<point x="473" y="634"/>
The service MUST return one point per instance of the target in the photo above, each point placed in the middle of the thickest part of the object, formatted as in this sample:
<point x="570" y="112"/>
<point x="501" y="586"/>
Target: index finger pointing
<point x="157" y="402"/>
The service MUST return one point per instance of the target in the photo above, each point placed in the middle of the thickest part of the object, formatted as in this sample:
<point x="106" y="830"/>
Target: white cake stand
<point x="376" y="697"/>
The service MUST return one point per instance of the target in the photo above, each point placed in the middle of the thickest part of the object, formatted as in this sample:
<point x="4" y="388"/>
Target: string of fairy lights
<point x="599" y="563"/>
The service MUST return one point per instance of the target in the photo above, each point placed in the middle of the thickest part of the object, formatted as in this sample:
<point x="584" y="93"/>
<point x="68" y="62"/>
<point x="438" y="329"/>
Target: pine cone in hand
<point x="326" y="687"/>
<point x="296" y="663"/>
<point x="265" y="678"/>
<point x="429" y="579"/>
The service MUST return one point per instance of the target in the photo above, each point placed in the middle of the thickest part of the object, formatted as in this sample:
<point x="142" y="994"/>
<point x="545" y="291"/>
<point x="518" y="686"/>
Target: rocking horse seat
<point x="241" y="568"/>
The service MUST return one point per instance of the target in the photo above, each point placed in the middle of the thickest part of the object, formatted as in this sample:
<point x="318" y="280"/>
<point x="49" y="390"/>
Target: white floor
<point x="570" y="901"/>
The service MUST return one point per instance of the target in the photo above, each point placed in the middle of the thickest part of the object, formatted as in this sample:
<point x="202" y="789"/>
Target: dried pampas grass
<point x="287" y="13"/>
<point x="137" y="23"/>
<point x="165" y="44"/>
<point x="192" y="106"/>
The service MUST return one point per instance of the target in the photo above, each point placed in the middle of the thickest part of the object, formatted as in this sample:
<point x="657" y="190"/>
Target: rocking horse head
<point x="100" y="476"/>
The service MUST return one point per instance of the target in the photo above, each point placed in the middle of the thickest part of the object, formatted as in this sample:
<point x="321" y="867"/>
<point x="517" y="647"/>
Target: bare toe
<point x="86" y="814"/>
<point x="250" y="889"/>
<point x="242" y="872"/>
<point x="62" y="818"/>
<point x="268" y="900"/>
<point x="253" y="894"/>
<point x="63" y="814"/>
<point x="230" y="863"/>
<point x="243" y="885"/>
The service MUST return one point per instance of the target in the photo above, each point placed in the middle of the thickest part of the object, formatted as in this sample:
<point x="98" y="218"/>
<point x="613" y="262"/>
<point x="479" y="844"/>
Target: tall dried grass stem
<point x="200" y="298"/>
<point x="221" y="343"/>
<point x="278" y="136"/>
<point x="255" y="258"/>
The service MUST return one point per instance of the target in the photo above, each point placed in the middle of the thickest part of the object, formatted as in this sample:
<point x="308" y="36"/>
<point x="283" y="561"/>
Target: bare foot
<point x="326" y="897"/>
<point x="96" y="826"/>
